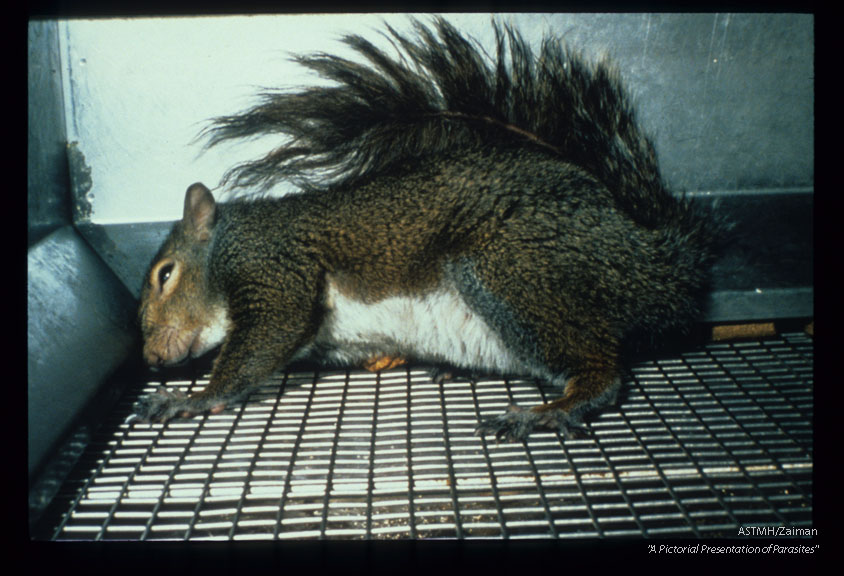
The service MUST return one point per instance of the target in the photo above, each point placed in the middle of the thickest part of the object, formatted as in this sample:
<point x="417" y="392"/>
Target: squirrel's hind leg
<point x="551" y="326"/>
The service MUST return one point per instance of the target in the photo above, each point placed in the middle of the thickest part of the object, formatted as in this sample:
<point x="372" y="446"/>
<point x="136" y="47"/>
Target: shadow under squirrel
<point x="496" y="215"/>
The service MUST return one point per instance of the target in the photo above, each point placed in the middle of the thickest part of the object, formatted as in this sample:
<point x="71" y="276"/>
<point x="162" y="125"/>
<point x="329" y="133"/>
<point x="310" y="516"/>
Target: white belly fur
<point x="435" y="327"/>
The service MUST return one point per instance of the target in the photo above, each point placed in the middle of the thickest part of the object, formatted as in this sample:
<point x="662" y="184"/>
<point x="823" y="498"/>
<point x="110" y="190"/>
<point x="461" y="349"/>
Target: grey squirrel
<point x="498" y="215"/>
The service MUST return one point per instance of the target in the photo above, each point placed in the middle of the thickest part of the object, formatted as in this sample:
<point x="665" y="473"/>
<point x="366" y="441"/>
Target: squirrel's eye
<point x="164" y="273"/>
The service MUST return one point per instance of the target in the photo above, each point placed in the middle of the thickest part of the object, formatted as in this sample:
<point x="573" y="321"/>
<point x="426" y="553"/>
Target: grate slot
<point x="700" y="444"/>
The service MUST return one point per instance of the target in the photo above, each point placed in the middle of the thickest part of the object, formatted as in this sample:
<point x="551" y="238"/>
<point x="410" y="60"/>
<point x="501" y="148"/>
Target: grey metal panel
<point x="731" y="306"/>
<point x="79" y="315"/>
<point x="80" y="328"/>
<point x="729" y="98"/>
<point x="47" y="182"/>
<point x="128" y="249"/>
<point x="766" y="270"/>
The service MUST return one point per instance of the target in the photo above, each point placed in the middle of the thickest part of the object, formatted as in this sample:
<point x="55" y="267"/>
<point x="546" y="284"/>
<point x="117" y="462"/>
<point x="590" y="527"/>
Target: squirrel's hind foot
<point x="516" y="424"/>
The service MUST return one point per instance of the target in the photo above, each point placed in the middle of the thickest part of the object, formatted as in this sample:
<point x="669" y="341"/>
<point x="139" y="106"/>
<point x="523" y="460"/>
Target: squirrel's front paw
<point x="161" y="406"/>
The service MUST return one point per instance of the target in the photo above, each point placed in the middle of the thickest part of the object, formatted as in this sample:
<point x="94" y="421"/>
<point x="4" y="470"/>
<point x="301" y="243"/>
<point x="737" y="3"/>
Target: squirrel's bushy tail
<point x="440" y="92"/>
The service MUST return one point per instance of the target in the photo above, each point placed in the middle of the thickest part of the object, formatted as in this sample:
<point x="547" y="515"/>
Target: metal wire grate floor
<point x="700" y="445"/>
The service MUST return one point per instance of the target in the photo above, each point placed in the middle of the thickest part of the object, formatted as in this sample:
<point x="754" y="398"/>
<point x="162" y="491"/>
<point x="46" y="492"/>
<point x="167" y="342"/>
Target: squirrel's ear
<point x="199" y="210"/>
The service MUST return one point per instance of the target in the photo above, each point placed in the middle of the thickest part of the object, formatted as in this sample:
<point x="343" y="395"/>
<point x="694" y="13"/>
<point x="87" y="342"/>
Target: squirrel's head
<point x="179" y="315"/>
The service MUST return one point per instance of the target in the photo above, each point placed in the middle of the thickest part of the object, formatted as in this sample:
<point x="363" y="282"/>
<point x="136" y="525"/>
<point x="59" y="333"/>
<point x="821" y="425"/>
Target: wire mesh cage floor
<point x="700" y="444"/>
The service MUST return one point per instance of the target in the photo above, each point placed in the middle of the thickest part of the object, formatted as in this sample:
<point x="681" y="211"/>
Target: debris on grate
<point x="737" y="331"/>
<point x="700" y="445"/>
